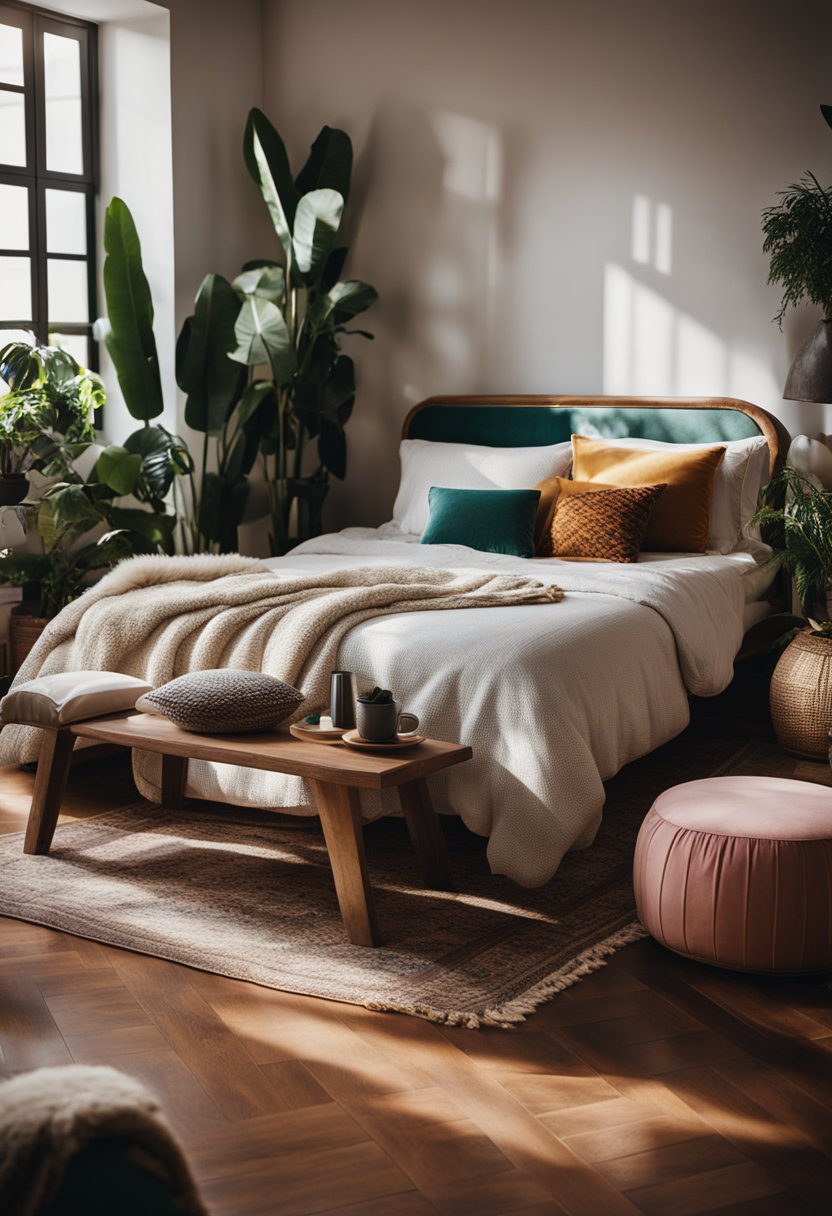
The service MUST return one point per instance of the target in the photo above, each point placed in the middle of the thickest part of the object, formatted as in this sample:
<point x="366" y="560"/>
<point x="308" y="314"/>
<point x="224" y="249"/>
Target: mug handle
<point x="408" y="724"/>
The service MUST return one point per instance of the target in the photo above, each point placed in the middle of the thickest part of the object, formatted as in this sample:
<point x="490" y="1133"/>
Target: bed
<point x="555" y="698"/>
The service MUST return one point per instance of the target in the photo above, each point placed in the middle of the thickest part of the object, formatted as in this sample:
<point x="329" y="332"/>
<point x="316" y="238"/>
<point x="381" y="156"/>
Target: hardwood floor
<point x="655" y="1085"/>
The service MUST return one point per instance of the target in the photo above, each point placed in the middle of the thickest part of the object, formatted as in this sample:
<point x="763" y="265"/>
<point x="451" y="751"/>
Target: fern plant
<point x="798" y="238"/>
<point x="799" y="530"/>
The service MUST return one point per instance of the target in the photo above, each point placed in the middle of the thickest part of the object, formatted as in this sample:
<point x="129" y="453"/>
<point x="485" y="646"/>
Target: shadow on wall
<point x="502" y="268"/>
<point x="435" y="220"/>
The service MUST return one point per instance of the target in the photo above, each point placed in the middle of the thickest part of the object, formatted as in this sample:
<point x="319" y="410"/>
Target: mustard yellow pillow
<point x="679" y="522"/>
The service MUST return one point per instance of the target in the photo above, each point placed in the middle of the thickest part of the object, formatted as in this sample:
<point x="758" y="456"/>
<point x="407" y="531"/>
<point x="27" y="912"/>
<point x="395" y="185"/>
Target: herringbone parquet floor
<point x="655" y="1086"/>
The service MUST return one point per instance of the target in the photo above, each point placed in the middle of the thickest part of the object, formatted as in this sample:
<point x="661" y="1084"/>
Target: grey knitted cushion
<point x="223" y="701"/>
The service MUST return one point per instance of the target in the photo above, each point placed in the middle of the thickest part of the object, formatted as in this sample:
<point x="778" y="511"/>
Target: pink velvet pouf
<point x="737" y="871"/>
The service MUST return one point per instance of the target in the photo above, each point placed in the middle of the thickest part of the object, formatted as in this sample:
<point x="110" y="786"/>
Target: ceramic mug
<point x="380" y="722"/>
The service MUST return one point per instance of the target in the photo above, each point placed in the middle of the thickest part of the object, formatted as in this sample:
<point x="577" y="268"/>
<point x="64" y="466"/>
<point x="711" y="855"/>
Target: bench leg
<point x="174" y="778"/>
<point x="340" y="812"/>
<point x="50" y="783"/>
<point x="426" y="835"/>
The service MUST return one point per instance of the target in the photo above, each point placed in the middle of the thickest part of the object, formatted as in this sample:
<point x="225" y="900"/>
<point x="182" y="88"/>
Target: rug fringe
<point x="513" y="1012"/>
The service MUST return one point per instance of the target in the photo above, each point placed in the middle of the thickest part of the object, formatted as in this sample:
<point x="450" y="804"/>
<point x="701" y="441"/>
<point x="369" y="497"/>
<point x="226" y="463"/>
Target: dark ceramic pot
<point x="13" y="488"/>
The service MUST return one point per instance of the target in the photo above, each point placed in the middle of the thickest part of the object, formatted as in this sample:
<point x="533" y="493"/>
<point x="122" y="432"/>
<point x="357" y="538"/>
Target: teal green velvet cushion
<point x="495" y="521"/>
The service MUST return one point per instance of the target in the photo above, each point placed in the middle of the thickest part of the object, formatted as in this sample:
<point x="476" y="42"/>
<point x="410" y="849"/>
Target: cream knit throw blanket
<point x="159" y="617"/>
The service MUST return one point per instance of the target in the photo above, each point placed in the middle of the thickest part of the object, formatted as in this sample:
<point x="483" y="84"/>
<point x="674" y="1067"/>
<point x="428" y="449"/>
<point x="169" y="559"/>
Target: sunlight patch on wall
<point x="651" y="242"/>
<point x="653" y="348"/>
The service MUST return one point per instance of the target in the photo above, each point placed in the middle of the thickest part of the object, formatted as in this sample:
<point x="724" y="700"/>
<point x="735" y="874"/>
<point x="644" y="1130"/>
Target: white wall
<point x="137" y="166"/>
<point x="557" y="195"/>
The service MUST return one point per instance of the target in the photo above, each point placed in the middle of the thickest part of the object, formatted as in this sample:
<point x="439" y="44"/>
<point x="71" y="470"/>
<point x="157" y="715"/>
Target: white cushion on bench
<point x="70" y="696"/>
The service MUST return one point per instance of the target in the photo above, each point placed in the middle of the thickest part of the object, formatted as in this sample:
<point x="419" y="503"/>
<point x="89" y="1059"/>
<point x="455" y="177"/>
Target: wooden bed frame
<point x="472" y="420"/>
<point x="489" y="420"/>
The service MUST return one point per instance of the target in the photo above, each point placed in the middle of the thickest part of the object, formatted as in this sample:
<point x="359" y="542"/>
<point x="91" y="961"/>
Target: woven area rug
<point x="248" y="895"/>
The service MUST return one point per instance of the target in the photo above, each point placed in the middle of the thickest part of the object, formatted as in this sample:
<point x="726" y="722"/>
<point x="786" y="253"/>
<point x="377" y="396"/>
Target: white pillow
<point x="466" y="466"/>
<point x="739" y="479"/>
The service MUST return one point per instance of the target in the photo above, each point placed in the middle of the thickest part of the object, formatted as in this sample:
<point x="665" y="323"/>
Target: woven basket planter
<point x="801" y="696"/>
<point x="24" y="631"/>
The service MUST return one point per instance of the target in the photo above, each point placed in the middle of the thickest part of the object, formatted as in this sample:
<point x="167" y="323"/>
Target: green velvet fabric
<point x="517" y="426"/>
<point x="493" y="521"/>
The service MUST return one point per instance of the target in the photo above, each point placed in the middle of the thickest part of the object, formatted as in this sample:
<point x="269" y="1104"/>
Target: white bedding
<point x="554" y="699"/>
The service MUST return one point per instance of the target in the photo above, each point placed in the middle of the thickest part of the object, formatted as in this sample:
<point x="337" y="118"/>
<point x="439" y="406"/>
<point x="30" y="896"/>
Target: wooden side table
<point x="335" y="775"/>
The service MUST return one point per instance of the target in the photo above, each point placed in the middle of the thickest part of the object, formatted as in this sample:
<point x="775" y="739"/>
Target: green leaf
<point x="268" y="282"/>
<point x="267" y="162"/>
<point x="21" y="365"/>
<point x="222" y="507"/>
<point x="263" y="337"/>
<point x="203" y="370"/>
<point x="71" y="506"/>
<point x="109" y="549"/>
<point x="19" y="568"/>
<point x="329" y="163"/>
<point x="151" y="527"/>
<point x="343" y="302"/>
<point x="332" y="448"/>
<point x="119" y="469"/>
<point x="317" y="220"/>
<point x="130" y="340"/>
<point x="334" y="266"/>
<point x="164" y="456"/>
<point x="254" y="395"/>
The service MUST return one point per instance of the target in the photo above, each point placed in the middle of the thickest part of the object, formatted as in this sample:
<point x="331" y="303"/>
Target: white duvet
<point x="553" y="698"/>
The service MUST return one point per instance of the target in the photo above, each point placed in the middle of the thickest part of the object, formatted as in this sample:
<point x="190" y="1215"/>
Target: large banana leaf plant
<point x="293" y="315"/>
<point x="209" y="494"/>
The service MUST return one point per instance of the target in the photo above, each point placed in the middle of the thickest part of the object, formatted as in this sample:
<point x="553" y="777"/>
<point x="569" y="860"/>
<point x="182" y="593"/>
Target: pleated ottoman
<point x="737" y="871"/>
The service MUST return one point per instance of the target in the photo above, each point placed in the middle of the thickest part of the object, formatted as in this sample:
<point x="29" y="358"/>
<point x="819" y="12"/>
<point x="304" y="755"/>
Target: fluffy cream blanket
<point x="159" y="617"/>
<point x="49" y="1115"/>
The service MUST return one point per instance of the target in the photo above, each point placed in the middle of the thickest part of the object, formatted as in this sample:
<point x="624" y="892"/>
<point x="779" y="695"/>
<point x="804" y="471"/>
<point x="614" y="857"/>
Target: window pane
<point x="14" y="217"/>
<point x="11" y="54"/>
<point x="15" y="289"/>
<point x="75" y="344"/>
<point x="68" y="292"/>
<point x="62" y="91"/>
<point x="12" y="128"/>
<point x="66" y="221"/>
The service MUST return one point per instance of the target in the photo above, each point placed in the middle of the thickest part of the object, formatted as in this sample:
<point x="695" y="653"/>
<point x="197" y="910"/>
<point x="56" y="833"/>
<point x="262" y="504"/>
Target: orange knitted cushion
<point x="604" y="525"/>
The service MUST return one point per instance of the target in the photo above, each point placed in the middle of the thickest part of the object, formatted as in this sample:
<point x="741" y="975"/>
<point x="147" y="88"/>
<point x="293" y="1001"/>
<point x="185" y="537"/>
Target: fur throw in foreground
<point x="160" y="617"/>
<point x="49" y="1115"/>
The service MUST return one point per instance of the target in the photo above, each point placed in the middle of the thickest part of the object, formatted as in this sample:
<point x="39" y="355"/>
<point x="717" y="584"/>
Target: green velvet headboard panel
<point x="526" y="421"/>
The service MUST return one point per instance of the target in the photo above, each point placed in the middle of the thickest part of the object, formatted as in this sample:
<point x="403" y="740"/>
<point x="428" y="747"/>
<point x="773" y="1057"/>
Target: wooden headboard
<point x="520" y="421"/>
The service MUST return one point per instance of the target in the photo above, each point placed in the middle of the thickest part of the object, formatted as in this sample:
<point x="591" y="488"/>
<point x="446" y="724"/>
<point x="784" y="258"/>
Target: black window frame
<point x="34" y="23"/>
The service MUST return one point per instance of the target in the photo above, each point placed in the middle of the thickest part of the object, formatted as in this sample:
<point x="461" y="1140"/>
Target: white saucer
<point x="313" y="734"/>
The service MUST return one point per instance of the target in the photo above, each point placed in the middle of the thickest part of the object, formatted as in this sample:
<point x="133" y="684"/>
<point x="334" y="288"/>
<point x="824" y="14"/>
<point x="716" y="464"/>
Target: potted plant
<point x="797" y="513"/>
<point x="287" y="317"/>
<point x="49" y="393"/>
<point x="294" y="314"/>
<point x="86" y="518"/>
<point x="798" y="239"/>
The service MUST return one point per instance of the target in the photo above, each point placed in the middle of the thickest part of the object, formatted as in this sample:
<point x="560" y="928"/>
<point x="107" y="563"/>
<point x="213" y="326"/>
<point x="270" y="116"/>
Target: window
<point x="48" y="172"/>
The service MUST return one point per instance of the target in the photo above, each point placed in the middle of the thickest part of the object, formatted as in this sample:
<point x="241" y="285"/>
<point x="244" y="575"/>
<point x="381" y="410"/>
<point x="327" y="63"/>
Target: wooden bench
<point x="335" y="774"/>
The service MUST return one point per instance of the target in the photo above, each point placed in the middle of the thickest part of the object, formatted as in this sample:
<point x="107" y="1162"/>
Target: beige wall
<point x="557" y="195"/>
